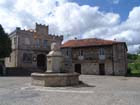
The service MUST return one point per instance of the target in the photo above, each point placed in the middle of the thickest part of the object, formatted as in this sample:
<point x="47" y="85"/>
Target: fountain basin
<point x="55" y="79"/>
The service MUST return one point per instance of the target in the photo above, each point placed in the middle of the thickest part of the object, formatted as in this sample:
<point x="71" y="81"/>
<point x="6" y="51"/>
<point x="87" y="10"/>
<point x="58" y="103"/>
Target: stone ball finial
<point x="55" y="47"/>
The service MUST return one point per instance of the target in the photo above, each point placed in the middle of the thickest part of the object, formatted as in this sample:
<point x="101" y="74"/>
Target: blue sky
<point x="121" y="7"/>
<point x="106" y="19"/>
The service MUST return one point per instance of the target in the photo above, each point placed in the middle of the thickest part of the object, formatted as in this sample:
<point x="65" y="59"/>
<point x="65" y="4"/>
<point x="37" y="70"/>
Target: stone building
<point x="95" y="56"/>
<point x="29" y="47"/>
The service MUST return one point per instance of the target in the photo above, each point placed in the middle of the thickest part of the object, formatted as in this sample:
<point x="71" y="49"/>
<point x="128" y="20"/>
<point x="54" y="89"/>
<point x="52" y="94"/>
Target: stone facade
<point x="103" y="59"/>
<point x="29" y="47"/>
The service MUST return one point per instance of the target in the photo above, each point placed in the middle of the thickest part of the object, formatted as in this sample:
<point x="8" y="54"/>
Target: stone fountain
<point x="54" y="75"/>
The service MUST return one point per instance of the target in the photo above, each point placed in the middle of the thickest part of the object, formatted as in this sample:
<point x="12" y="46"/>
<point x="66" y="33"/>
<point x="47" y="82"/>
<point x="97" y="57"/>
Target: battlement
<point x="56" y="36"/>
<point x="43" y="29"/>
<point x="39" y="30"/>
<point x="41" y="25"/>
<point x="24" y="30"/>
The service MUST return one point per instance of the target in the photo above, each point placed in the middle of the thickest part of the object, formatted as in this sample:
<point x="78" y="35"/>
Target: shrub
<point x="129" y="70"/>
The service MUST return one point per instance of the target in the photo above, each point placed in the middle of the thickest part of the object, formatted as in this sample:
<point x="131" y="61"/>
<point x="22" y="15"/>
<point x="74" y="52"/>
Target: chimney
<point x="17" y="28"/>
<point x="75" y="38"/>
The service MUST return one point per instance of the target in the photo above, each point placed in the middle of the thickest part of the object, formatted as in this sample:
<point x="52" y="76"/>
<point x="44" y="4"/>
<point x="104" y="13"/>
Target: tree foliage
<point x="5" y="43"/>
<point x="132" y="56"/>
<point x="133" y="64"/>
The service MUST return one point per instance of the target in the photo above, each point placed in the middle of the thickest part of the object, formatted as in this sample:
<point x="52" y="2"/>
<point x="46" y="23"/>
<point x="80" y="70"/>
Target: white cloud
<point x="115" y="1"/>
<point x="71" y="19"/>
<point x="17" y="13"/>
<point x="1" y="1"/>
<point x="128" y="31"/>
<point x="134" y="48"/>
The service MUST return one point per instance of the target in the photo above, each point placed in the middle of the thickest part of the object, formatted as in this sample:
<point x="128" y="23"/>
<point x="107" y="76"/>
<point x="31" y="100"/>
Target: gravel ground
<point x="96" y="90"/>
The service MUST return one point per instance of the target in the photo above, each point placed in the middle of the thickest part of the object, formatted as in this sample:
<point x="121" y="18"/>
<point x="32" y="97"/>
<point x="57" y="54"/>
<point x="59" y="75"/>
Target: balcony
<point x="93" y="57"/>
<point x="102" y="57"/>
<point x="80" y="57"/>
<point x="47" y="48"/>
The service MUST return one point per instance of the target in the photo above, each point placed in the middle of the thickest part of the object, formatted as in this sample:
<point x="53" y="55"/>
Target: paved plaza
<point x="95" y="90"/>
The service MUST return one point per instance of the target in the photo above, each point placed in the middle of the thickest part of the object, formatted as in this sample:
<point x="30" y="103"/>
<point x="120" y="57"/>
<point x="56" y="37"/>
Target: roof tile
<point x="88" y="42"/>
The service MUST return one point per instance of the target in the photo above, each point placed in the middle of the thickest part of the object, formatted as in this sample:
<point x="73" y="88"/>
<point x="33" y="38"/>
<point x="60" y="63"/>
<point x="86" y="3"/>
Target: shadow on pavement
<point x="133" y="75"/>
<point x="18" y="72"/>
<point x="82" y="84"/>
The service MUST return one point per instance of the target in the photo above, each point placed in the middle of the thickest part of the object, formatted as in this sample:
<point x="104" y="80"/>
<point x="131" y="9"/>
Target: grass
<point x="135" y="69"/>
<point x="135" y="73"/>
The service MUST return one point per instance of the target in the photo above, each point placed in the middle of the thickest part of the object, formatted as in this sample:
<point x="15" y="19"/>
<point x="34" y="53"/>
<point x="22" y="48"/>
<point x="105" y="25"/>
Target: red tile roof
<point x="88" y="42"/>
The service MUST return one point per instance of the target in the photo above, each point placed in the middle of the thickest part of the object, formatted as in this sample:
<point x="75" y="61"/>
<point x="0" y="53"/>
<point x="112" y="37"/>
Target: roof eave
<point x="87" y="46"/>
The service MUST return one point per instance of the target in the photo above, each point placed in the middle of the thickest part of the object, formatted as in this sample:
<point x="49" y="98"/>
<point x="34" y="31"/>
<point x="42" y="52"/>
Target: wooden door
<point x="102" y="69"/>
<point x="78" y="68"/>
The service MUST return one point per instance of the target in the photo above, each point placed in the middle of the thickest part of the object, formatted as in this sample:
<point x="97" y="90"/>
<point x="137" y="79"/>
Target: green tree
<point x="5" y="43"/>
<point x="138" y="52"/>
<point x="132" y="56"/>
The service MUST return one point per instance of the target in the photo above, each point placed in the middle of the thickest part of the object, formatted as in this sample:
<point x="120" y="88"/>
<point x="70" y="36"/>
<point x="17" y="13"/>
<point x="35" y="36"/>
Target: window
<point x="37" y="43"/>
<point x="45" y="43"/>
<point x="101" y="54"/>
<point x="68" y="52"/>
<point x="15" y="41"/>
<point x="101" y="51"/>
<point x="81" y="52"/>
<point x="27" y="57"/>
<point x="81" y="57"/>
<point x="27" y="41"/>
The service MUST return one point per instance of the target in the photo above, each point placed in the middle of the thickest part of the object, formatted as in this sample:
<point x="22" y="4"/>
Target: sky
<point x="105" y="19"/>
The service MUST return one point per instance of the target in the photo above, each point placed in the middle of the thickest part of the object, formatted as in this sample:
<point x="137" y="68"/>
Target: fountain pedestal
<point x="53" y="75"/>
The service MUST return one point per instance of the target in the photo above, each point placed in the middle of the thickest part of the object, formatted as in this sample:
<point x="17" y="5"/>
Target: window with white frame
<point x="81" y="53"/>
<point x="15" y="41"/>
<point x="68" y="52"/>
<point x="101" y="51"/>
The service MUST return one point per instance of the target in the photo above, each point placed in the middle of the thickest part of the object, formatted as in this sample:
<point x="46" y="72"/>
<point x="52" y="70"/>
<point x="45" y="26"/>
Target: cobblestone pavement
<point x="97" y="90"/>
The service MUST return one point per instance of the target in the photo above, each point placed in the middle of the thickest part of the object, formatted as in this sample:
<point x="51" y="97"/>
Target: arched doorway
<point x="41" y="61"/>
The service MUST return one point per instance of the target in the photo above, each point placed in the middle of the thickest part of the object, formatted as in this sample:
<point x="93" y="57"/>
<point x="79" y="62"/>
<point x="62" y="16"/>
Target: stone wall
<point x="93" y="68"/>
<point x="12" y="60"/>
<point x="120" y="59"/>
<point x="89" y="53"/>
<point x="90" y="68"/>
<point x="115" y="59"/>
<point x="108" y="67"/>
